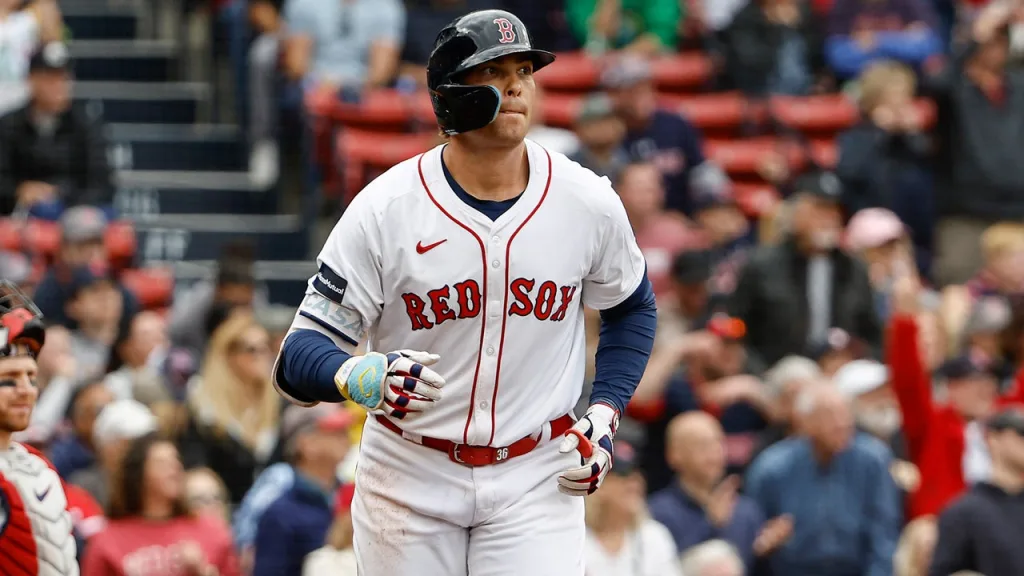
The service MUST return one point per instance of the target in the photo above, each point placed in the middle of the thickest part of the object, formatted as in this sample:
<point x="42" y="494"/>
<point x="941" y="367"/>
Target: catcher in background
<point x="36" y="533"/>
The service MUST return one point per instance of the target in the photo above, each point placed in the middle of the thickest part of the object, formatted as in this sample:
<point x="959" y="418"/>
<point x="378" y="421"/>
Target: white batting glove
<point x="592" y="438"/>
<point x="395" y="384"/>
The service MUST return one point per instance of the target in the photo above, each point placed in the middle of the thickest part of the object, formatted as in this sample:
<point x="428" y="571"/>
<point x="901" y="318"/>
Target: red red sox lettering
<point x="543" y="300"/>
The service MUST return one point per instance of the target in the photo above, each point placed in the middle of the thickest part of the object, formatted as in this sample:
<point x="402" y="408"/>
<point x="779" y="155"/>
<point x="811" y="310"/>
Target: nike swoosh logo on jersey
<point x="421" y="249"/>
<point x="42" y="496"/>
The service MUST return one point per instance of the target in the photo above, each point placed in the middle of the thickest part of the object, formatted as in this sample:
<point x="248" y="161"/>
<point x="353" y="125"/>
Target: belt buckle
<point x="474" y="456"/>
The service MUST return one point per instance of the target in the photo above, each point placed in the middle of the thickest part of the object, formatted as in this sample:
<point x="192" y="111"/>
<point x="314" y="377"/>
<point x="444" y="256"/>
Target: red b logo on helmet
<point x="508" y="33"/>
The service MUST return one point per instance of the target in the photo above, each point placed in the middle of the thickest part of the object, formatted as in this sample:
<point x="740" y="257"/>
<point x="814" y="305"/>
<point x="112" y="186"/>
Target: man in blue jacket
<point x="862" y="31"/>
<point x="315" y="441"/>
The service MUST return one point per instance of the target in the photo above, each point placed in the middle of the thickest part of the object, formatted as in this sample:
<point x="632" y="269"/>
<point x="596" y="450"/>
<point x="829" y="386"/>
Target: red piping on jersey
<point x="504" y="304"/>
<point x="483" y="321"/>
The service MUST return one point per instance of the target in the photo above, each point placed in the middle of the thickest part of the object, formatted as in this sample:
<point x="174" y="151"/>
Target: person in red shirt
<point x="151" y="532"/>
<point x="944" y="440"/>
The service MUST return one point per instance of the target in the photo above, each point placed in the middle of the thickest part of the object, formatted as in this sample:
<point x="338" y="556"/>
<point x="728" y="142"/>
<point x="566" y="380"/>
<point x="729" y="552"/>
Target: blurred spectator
<point x="865" y="383"/>
<point x="95" y="306"/>
<point x="233" y="287"/>
<point x="791" y="294"/>
<point x="51" y="155"/>
<point x="81" y="245"/>
<point x="722" y="225"/>
<point x="838" y="349"/>
<point x="884" y="160"/>
<point x="692" y="271"/>
<point x="979" y="179"/>
<point x="712" y="558"/>
<point x="701" y="503"/>
<point x="1002" y="271"/>
<point x="645" y="27"/>
<point x="430" y="16"/>
<point x="118" y="424"/>
<point x="74" y="451"/>
<point x="16" y="267"/>
<point x="315" y="441"/>
<point x="774" y="47"/>
<point x="600" y="133"/>
<point x="847" y="535"/>
<point x="668" y="140"/>
<point x="555" y="139"/>
<point x="353" y="45"/>
<point x="336" y="556"/>
<point x="621" y="538"/>
<point x="261" y="94"/>
<point x="233" y="409"/>
<point x="205" y="493"/>
<point x="151" y="531"/>
<point x="879" y="239"/>
<point x="141" y="346"/>
<point x="862" y="31"/>
<point x="24" y="25"/>
<point x="783" y="384"/>
<point x="980" y="531"/>
<point x="274" y="481"/>
<point x="944" y="440"/>
<point x="915" y="548"/>
<point x="660" y="234"/>
<point x="985" y="327"/>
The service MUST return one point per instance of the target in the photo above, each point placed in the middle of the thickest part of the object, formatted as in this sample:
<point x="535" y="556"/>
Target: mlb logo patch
<point x="330" y="284"/>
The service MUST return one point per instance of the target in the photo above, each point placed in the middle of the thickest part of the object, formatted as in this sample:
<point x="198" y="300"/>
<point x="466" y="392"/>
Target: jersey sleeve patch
<point x="330" y="284"/>
<point x="340" y="321"/>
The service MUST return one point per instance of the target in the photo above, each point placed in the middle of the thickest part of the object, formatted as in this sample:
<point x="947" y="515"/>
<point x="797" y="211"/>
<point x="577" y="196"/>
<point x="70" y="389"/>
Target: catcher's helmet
<point x="21" y="323"/>
<point x="466" y="42"/>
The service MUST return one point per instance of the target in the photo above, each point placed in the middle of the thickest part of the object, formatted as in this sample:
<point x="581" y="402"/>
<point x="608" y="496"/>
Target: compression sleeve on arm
<point x="309" y="362"/>
<point x="627" y="336"/>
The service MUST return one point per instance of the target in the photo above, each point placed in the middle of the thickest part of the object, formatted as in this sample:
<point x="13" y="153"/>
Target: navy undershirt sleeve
<point x="309" y="361"/>
<point x="627" y="336"/>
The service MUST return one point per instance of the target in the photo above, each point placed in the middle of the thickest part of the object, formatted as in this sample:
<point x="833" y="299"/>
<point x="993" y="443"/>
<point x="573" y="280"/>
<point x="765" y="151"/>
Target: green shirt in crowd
<point x="657" y="17"/>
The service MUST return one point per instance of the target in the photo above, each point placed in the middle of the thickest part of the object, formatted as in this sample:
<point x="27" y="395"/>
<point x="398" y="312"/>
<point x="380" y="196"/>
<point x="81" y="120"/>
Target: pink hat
<point x="873" y="227"/>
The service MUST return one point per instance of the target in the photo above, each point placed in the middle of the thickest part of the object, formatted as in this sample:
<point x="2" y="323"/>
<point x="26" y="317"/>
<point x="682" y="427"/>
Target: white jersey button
<point x="495" y="238"/>
<point x="490" y="350"/>
<point x="495" y="264"/>
<point x="484" y="405"/>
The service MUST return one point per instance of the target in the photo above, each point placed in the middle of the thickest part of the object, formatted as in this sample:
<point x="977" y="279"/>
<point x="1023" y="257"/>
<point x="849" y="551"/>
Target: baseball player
<point x="36" y="536"/>
<point x="466" y="269"/>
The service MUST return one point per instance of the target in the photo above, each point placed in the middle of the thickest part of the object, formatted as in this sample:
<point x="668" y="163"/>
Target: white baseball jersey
<point x="36" y="535"/>
<point x="412" y="266"/>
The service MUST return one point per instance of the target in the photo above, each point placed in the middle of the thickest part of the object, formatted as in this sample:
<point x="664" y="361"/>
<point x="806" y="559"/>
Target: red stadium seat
<point x="10" y="235"/>
<point x="560" y="110"/>
<point x="755" y="199"/>
<point x="825" y="153"/>
<point x="120" y="242"/>
<point x="743" y="157"/>
<point x="365" y="154"/>
<point x="723" y="111"/>
<point x="154" y="287"/>
<point x="570" y="72"/>
<point x="682" y="72"/>
<point x="831" y="113"/>
<point x="41" y="238"/>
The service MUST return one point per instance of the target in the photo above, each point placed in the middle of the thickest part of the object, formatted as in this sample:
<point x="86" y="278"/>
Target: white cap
<point x="123" y="420"/>
<point x="860" y="377"/>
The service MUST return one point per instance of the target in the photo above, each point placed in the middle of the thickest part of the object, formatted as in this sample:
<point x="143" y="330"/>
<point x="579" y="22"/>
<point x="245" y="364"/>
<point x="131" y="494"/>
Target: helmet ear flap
<point x="466" y="108"/>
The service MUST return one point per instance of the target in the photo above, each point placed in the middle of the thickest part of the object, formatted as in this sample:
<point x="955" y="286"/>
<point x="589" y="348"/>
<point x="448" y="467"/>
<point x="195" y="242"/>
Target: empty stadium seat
<point x="120" y="241"/>
<point x="570" y="72"/>
<point x="722" y="111"/>
<point x="741" y="158"/>
<point x="687" y="71"/>
<point x="363" y="154"/>
<point x="10" y="235"/>
<point x="154" y="287"/>
<point x="825" y="153"/>
<point x="41" y="238"/>
<point x="559" y="109"/>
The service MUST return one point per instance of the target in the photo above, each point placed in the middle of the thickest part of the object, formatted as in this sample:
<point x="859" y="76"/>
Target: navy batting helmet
<point x="466" y="42"/>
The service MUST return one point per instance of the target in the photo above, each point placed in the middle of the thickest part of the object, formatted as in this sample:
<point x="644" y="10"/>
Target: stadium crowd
<point x="836" y="386"/>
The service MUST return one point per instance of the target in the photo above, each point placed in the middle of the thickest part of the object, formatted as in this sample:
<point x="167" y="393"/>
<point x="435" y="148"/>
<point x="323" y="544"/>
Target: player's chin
<point x="16" y="419"/>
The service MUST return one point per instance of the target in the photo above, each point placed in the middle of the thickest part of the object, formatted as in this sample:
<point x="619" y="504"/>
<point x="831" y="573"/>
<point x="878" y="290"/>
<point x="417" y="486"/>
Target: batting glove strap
<point x="592" y="437"/>
<point x="395" y="384"/>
